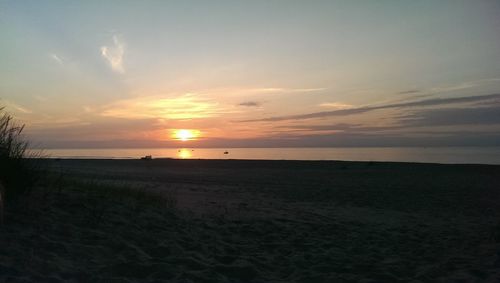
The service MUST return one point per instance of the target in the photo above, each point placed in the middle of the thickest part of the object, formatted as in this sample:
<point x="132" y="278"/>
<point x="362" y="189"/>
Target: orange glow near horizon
<point x="184" y="153"/>
<point x="185" y="134"/>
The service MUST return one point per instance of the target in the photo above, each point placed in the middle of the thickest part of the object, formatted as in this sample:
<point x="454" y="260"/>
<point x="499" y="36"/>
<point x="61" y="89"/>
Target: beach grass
<point x="19" y="169"/>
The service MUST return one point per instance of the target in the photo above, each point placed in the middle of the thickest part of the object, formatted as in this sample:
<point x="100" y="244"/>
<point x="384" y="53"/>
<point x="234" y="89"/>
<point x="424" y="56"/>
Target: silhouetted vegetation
<point x="18" y="171"/>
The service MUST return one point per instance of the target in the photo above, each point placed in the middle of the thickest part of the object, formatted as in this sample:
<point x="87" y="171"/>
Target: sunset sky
<point x="252" y="73"/>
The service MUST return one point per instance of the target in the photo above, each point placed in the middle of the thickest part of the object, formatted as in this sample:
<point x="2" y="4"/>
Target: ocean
<point x="449" y="155"/>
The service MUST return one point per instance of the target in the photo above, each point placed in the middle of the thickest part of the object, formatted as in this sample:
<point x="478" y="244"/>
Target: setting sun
<point x="185" y="135"/>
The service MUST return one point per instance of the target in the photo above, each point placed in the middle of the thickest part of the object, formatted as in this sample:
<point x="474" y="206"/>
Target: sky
<point x="270" y="73"/>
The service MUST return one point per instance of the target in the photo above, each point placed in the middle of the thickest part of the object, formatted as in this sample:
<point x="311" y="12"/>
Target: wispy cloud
<point x="463" y="85"/>
<point x="88" y="109"/>
<point x="16" y="107"/>
<point x="351" y="111"/>
<point x="104" y="129"/>
<point x="56" y="58"/>
<point x="451" y="87"/>
<point x="411" y="91"/>
<point x="250" y="104"/>
<point x="427" y="118"/>
<point x="282" y="89"/>
<point x="40" y="98"/>
<point x="305" y="89"/>
<point x="336" y="105"/>
<point x="456" y="87"/>
<point x="454" y="116"/>
<point x="188" y="106"/>
<point x="260" y="91"/>
<point x="114" y="54"/>
<point x="343" y="127"/>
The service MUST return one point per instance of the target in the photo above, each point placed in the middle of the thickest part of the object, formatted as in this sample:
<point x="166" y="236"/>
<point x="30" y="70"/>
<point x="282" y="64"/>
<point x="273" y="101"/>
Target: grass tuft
<point x="18" y="167"/>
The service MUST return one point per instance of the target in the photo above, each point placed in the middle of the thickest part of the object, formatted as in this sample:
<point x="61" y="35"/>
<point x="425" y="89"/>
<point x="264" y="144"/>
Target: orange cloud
<point x="184" y="107"/>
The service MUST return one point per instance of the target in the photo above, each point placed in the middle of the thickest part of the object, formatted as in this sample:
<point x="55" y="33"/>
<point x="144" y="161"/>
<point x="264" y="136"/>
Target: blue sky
<point x="252" y="73"/>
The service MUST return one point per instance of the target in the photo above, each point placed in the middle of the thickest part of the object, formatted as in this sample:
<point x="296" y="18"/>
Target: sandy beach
<point x="255" y="221"/>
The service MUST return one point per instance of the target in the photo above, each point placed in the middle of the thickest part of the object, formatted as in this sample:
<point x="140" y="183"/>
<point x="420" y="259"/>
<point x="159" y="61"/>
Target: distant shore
<point x="170" y="220"/>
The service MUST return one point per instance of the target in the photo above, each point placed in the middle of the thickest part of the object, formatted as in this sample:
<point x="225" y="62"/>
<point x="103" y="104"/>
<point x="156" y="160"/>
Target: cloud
<point x="88" y="109"/>
<point x="104" y="129"/>
<point x="280" y="89"/>
<point x="411" y="91"/>
<point x="268" y="90"/>
<point x="56" y="58"/>
<point x="351" y="111"/>
<point x="250" y="104"/>
<point x="114" y="54"/>
<point x="463" y="85"/>
<point x="336" y="105"/>
<point x="253" y="93"/>
<point x="454" y="138"/>
<point x="342" y="127"/>
<point x="306" y="89"/>
<point x="460" y="86"/>
<point x="347" y="139"/>
<point x="484" y="116"/>
<point x="453" y="87"/>
<point x="187" y="106"/>
<point x="16" y="107"/>
<point x="454" y="116"/>
<point x="40" y="98"/>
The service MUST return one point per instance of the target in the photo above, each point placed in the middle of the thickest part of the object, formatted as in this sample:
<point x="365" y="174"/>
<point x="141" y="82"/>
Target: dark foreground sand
<point x="255" y="221"/>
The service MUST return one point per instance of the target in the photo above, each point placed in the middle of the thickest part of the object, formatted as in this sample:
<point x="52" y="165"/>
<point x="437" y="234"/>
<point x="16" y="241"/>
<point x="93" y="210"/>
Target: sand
<point x="255" y="221"/>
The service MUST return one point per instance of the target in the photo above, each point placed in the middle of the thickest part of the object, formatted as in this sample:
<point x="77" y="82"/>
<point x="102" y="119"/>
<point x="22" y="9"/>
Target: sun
<point x="185" y="135"/>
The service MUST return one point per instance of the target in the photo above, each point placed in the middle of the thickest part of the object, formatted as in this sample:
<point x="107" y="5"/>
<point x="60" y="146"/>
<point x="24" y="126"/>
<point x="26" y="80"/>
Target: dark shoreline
<point x="161" y="159"/>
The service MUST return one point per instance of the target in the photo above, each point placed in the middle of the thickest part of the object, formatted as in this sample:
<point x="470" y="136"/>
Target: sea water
<point x="471" y="155"/>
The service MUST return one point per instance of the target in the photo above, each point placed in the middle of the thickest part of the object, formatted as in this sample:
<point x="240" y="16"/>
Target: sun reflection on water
<point x="184" y="153"/>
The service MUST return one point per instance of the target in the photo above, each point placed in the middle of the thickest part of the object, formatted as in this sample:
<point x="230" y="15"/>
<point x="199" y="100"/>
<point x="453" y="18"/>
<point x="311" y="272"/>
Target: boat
<point x="147" y="157"/>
